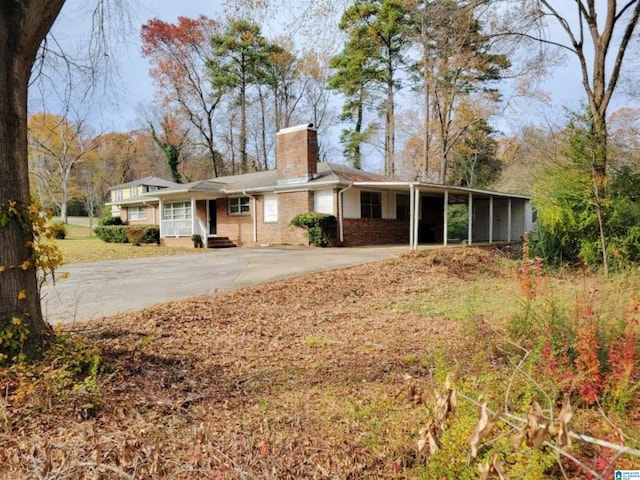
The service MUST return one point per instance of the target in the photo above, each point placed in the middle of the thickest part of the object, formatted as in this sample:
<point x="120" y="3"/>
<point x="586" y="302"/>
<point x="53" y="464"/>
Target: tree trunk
<point x="23" y="26"/>
<point x="390" y="168"/>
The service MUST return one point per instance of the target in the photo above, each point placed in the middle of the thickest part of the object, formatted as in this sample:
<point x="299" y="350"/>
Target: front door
<point x="213" y="216"/>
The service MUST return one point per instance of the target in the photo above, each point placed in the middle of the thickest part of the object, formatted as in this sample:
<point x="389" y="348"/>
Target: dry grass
<point x="80" y="247"/>
<point x="293" y="379"/>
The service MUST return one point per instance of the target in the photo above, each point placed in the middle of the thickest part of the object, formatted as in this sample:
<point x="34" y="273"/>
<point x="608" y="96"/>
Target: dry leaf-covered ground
<point x="293" y="379"/>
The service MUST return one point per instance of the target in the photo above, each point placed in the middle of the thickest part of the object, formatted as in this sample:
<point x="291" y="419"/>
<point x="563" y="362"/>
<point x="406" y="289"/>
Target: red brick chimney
<point x="297" y="154"/>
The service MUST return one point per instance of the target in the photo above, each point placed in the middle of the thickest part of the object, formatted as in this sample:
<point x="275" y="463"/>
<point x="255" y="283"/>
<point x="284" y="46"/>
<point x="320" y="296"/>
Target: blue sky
<point x="135" y="88"/>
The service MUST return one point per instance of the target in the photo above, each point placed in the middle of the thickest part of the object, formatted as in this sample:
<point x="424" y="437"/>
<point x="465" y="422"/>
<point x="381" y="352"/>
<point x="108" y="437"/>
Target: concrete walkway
<point x="95" y="290"/>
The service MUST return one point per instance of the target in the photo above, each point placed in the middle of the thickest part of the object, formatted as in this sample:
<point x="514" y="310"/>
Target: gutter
<point x="284" y="188"/>
<point x="341" y="210"/>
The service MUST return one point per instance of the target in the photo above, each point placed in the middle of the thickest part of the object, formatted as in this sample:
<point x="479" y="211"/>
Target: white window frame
<point x="176" y="211"/>
<point x="239" y="206"/>
<point x="117" y="194"/>
<point x="140" y="213"/>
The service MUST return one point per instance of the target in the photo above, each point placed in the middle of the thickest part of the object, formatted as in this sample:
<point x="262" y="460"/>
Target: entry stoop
<point x="220" y="242"/>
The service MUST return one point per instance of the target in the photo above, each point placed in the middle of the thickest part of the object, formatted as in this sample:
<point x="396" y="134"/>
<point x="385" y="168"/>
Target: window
<point x="370" y="204"/>
<point x="134" y="192"/>
<point x="238" y="205"/>
<point x="137" y="213"/>
<point x="177" y="211"/>
<point x="117" y="194"/>
<point x="403" y="207"/>
<point x="270" y="207"/>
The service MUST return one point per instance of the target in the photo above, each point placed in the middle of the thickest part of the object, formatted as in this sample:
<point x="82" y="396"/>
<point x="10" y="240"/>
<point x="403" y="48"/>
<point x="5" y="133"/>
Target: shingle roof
<point x="151" y="181"/>
<point x="326" y="173"/>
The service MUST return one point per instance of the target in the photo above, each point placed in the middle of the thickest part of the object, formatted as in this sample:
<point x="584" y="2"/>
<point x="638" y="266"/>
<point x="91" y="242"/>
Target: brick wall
<point x="176" y="242"/>
<point x="239" y="228"/>
<point x="282" y="232"/>
<point x="375" y="231"/>
<point x="296" y="153"/>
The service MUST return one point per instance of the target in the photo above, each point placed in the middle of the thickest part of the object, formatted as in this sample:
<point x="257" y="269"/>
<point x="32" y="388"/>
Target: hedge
<point x="138" y="234"/>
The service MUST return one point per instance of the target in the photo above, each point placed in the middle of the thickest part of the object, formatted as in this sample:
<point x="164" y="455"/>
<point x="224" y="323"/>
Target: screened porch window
<point x="177" y="211"/>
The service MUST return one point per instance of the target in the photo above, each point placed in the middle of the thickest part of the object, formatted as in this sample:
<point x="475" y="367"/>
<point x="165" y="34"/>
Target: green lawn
<point x="82" y="246"/>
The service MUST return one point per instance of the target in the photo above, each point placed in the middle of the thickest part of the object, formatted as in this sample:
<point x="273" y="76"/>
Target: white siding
<point x="323" y="201"/>
<point x="270" y="207"/>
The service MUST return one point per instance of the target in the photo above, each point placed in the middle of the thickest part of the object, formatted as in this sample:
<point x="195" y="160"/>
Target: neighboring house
<point x="132" y="201"/>
<point x="257" y="208"/>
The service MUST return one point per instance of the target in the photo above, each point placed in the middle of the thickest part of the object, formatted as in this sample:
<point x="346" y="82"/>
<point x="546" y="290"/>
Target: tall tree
<point x="283" y="72"/>
<point x="116" y="156"/>
<point x="23" y="26"/>
<point x="238" y="61"/>
<point x="59" y="145"/>
<point x="456" y="62"/>
<point x="609" y="26"/>
<point x="351" y="78"/>
<point x="372" y="62"/>
<point x="171" y="141"/>
<point x="179" y="53"/>
<point x="475" y="163"/>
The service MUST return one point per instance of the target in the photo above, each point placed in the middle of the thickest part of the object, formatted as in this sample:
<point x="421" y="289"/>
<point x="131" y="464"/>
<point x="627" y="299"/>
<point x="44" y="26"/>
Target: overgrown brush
<point x="67" y="379"/>
<point x="514" y="419"/>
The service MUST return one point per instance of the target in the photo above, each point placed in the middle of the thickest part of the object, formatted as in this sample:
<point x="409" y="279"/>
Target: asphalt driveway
<point x="95" y="290"/>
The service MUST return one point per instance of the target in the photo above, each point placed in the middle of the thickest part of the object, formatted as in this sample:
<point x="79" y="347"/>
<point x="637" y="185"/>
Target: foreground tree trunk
<point x="23" y="26"/>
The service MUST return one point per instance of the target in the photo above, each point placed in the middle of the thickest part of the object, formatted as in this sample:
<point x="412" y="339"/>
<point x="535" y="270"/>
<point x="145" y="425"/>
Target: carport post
<point x="509" y="220"/>
<point x="411" y="232"/>
<point x="470" y="234"/>
<point x="416" y="215"/>
<point x="490" y="219"/>
<point x="445" y="227"/>
<point x="160" y="205"/>
<point x="193" y="214"/>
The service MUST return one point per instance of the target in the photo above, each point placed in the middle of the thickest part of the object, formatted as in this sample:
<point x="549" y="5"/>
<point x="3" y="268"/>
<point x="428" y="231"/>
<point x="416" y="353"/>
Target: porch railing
<point x="176" y="228"/>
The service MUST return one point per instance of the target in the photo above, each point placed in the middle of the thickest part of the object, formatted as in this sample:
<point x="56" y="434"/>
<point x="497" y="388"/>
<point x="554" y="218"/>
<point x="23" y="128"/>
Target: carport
<point x="493" y="216"/>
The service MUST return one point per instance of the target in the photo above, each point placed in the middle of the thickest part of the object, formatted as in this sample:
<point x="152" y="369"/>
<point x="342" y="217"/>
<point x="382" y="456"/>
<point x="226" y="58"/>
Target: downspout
<point x="254" y="215"/>
<point x="341" y="211"/>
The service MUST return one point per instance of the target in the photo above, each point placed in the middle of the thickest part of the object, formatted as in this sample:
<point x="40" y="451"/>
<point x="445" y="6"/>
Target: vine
<point x="44" y="257"/>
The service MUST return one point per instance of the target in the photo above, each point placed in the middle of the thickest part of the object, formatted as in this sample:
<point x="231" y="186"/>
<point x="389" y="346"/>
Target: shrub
<point x="135" y="234"/>
<point x="112" y="233"/>
<point x="76" y="208"/>
<point x="151" y="235"/>
<point x="321" y="227"/>
<point x="59" y="230"/>
<point x="458" y="222"/>
<point x="108" y="218"/>
<point x="196" y="238"/>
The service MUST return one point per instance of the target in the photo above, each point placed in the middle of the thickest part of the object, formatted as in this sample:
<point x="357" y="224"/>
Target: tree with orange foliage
<point x="57" y="146"/>
<point x="179" y="53"/>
